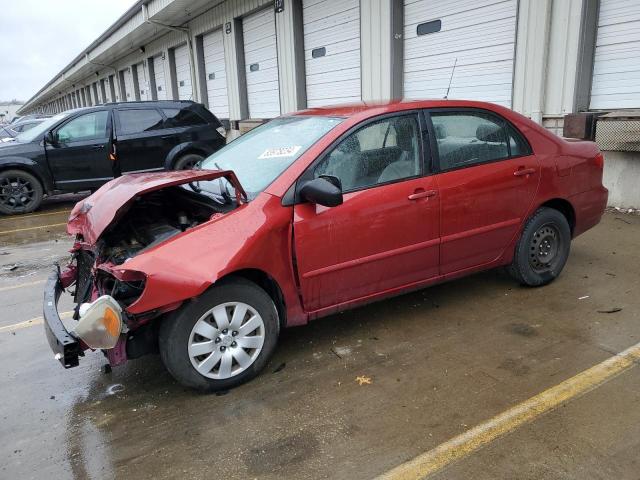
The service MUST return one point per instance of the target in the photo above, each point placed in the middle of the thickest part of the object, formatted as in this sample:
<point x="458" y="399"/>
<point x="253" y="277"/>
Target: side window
<point x="91" y="126"/>
<point x="182" y="118"/>
<point x="468" y="138"/>
<point x="138" y="121"/>
<point x="381" y="152"/>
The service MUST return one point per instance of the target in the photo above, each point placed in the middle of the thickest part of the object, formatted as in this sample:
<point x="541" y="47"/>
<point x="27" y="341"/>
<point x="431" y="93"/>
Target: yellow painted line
<point x="31" y="323"/>
<point x="33" y="228"/>
<point x="468" y="442"/>
<point x="22" y="285"/>
<point x="32" y="215"/>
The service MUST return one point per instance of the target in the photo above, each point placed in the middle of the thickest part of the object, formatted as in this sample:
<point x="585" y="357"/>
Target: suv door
<point x="385" y="235"/>
<point x="487" y="178"/>
<point x="142" y="139"/>
<point x="79" y="157"/>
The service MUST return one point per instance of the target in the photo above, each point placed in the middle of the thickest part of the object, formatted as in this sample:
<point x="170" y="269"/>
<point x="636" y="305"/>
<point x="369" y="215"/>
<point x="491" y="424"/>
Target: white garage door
<point x="261" y="64"/>
<point x="128" y="85"/>
<point x="143" y="81"/>
<point x="215" y="74"/>
<point x="183" y="73"/>
<point x="477" y="36"/>
<point x="332" y="51"/>
<point x="616" y="68"/>
<point x="158" y="76"/>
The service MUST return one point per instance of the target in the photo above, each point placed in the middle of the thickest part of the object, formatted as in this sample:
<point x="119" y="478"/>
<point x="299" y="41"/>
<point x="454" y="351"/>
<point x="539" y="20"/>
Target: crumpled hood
<point x="93" y="215"/>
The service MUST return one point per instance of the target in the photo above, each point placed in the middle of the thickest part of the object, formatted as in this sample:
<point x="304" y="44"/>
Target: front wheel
<point x="222" y="338"/>
<point x="543" y="248"/>
<point x="20" y="192"/>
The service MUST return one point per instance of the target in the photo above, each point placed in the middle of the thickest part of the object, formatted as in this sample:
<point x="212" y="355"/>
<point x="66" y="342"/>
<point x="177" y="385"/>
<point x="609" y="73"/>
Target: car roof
<point x="377" y="108"/>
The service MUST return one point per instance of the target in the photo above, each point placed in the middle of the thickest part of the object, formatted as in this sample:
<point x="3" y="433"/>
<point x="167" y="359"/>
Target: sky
<point x="38" y="38"/>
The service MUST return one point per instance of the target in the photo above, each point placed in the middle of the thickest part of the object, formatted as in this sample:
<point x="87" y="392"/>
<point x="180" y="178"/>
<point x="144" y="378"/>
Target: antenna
<point x="451" y="77"/>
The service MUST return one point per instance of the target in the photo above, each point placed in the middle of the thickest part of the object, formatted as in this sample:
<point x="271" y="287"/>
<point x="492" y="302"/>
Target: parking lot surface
<point x="348" y="397"/>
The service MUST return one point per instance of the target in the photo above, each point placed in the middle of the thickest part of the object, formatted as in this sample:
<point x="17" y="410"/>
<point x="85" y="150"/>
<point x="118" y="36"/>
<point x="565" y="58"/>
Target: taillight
<point x="599" y="161"/>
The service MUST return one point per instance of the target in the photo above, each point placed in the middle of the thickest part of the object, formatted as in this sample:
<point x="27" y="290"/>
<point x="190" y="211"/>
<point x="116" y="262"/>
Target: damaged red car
<point x="310" y="214"/>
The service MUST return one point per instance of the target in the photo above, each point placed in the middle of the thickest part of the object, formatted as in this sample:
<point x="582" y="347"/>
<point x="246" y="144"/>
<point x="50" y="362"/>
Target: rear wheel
<point x="20" y="192"/>
<point x="543" y="248"/>
<point x="188" y="161"/>
<point x="221" y="339"/>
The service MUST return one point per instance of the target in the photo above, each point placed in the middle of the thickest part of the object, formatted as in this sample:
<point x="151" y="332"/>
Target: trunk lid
<point x="93" y="215"/>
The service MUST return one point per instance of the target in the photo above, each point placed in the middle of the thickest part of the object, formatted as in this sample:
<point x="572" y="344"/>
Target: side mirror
<point x="322" y="192"/>
<point x="50" y="138"/>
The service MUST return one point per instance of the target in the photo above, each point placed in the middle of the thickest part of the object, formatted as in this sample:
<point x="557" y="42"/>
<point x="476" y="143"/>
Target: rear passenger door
<point x="142" y="139"/>
<point x="488" y="177"/>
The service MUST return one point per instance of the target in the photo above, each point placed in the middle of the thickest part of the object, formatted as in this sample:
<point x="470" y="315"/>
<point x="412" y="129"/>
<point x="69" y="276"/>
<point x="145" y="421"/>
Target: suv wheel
<point x="188" y="161"/>
<point x="20" y="192"/>
<point x="222" y="338"/>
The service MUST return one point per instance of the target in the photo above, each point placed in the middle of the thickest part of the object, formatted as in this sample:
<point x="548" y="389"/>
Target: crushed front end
<point x="121" y="221"/>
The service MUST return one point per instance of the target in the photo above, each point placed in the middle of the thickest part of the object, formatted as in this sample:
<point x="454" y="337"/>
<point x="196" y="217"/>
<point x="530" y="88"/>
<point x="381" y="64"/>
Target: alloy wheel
<point x="16" y="193"/>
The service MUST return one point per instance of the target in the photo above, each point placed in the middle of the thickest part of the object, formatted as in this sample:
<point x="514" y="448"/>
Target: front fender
<point x="255" y="236"/>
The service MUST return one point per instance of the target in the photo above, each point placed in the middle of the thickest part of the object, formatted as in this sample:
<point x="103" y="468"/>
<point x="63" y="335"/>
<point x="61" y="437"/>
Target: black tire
<point x="543" y="248"/>
<point x="176" y="330"/>
<point x="188" y="161"/>
<point x="20" y="192"/>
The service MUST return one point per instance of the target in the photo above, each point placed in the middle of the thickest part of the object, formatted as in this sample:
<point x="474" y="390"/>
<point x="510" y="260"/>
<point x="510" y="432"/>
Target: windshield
<point x="261" y="155"/>
<point x="33" y="133"/>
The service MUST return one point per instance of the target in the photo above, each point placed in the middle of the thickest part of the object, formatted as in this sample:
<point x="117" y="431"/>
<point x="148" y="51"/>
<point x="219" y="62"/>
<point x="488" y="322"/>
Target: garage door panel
<point x="183" y="72"/>
<point x="217" y="94"/>
<point x="477" y="36"/>
<point x="461" y="59"/>
<point x="263" y="90"/>
<point x="335" y="63"/>
<point x="336" y="34"/>
<point x="334" y="77"/>
<point x="615" y="82"/>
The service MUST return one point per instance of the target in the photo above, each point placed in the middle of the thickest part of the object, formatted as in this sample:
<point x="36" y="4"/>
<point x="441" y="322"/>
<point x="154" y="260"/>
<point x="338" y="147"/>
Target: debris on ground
<point x="363" y="380"/>
<point x="623" y="220"/>
<point x="10" y="268"/>
<point x="582" y="298"/>
<point x="611" y="310"/>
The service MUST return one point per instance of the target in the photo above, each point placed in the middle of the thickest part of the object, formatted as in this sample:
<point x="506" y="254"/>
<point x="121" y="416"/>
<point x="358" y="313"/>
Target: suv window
<point x="91" y="126"/>
<point x="381" y="152"/>
<point x="177" y="117"/>
<point x="469" y="138"/>
<point x="139" y="120"/>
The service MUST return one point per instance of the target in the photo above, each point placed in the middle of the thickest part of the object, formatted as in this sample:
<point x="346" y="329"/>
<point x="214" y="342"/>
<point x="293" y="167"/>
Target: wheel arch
<point x="47" y="185"/>
<point x="565" y="207"/>
<point x="184" y="149"/>
<point x="267" y="283"/>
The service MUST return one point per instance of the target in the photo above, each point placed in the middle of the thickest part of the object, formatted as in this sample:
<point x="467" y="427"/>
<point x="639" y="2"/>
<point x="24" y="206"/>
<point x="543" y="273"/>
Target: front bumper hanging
<point x="65" y="346"/>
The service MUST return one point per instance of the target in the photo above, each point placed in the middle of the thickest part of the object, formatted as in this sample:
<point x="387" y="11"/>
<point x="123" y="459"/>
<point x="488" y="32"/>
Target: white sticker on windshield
<point x="280" y="152"/>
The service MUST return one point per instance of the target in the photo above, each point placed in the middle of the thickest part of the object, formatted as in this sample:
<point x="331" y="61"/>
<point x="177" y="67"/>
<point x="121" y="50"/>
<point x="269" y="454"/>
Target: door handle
<point x="524" y="171"/>
<point x="97" y="147"/>
<point x="418" y="194"/>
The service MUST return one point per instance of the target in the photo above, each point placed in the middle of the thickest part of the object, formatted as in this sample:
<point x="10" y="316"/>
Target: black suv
<point x="82" y="149"/>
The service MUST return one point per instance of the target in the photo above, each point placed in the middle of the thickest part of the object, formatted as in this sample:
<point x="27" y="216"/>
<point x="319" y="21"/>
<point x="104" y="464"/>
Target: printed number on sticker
<point x="280" y="152"/>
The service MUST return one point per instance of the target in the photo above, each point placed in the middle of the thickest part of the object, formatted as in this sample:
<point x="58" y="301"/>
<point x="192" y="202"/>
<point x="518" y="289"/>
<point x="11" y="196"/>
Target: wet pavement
<point x="439" y="361"/>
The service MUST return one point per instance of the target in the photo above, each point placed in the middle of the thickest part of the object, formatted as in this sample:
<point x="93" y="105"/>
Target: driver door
<point x="385" y="235"/>
<point x="79" y="157"/>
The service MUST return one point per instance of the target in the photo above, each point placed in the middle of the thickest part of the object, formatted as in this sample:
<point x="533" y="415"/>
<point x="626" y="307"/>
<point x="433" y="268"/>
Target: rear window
<point x="138" y="121"/>
<point x="182" y="118"/>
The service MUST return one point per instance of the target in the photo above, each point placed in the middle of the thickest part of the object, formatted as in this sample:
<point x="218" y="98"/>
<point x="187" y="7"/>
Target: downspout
<point x="187" y="32"/>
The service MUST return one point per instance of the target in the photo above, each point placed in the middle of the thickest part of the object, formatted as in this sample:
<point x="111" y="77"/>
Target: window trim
<point x="500" y="120"/>
<point x="292" y="195"/>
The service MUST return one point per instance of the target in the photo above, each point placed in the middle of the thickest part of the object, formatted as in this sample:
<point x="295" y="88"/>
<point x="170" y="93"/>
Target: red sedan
<point x="310" y="214"/>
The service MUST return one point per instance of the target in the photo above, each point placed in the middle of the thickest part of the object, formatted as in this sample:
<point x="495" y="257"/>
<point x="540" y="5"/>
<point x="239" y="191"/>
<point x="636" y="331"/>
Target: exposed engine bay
<point x="154" y="218"/>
